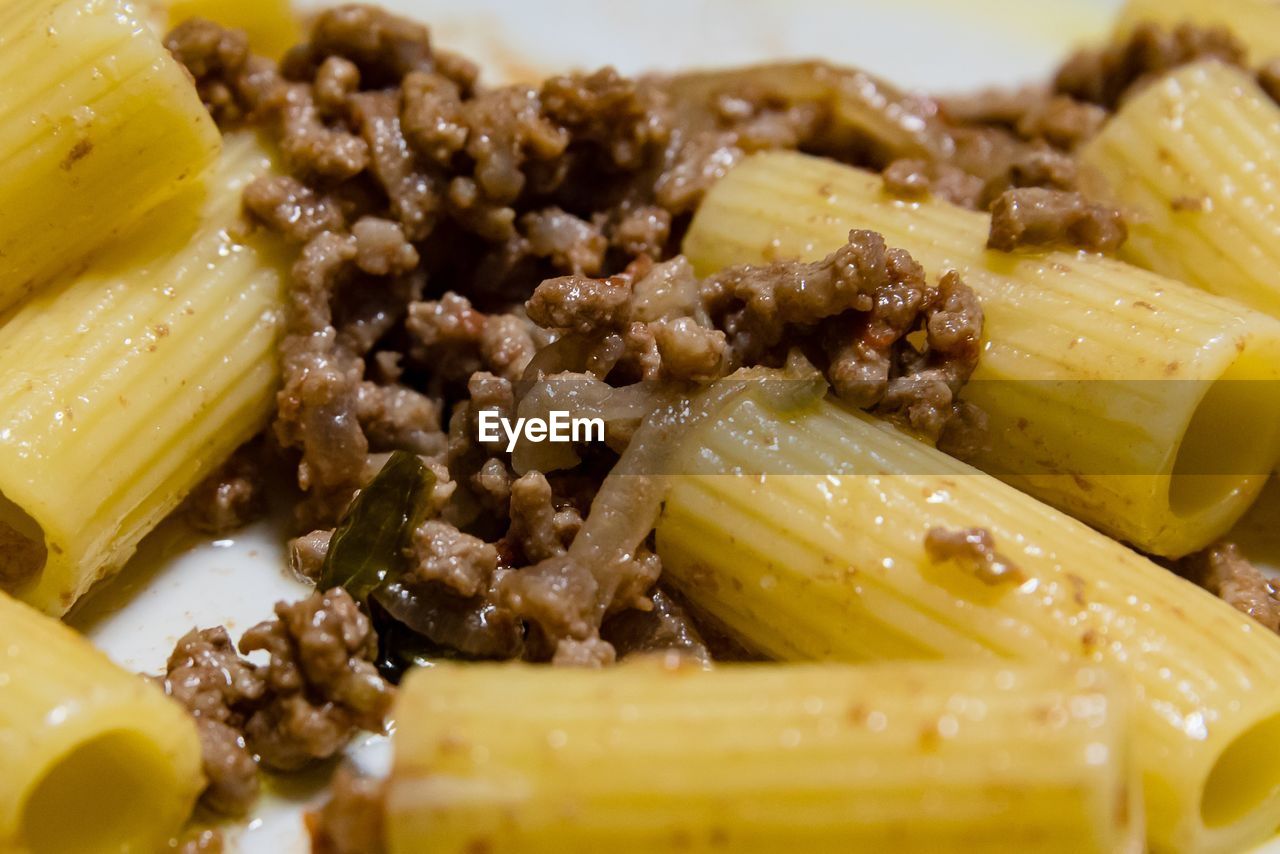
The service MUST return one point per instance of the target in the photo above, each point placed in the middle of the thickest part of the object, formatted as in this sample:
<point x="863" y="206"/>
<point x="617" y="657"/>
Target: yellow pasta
<point x="802" y="533"/>
<point x="1256" y="23"/>
<point x="120" y="388"/>
<point x="1196" y="158"/>
<point x="98" y="124"/>
<point x="760" y="758"/>
<point x="93" y="760"/>
<point x="1108" y="387"/>
<point x="271" y="25"/>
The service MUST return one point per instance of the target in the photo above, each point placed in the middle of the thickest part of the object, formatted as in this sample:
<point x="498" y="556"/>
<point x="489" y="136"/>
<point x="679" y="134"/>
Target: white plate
<point x="177" y="581"/>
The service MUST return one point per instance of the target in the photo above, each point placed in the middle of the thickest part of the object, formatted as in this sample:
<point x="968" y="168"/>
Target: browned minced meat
<point x="856" y="307"/>
<point x="1035" y="216"/>
<point x="351" y="820"/>
<point x="1105" y="76"/>
<point x="232" y="496"/>
<point x="218" y="688"/>
<point x="1026" y="137"/>
<point x="863" y="301"/>
<point x="211" y="53"/>
<point x="912" y="178"/>
<point x="1032" y="114"/>
<point x="456" y="243"/>
<point x="985" y="160"/>
<point x="320" y="680"/>
<point x="1225" y="572"/>
<point x="975" y="550"/>
<point x="428" y="209"/>
<point x="445" y="555"/>
<point x="303" y="705"/>
<point x="1062" y="121"/>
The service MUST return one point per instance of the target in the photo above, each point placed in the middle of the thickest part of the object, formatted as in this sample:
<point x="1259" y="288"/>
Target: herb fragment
<point x="368" y="546"/>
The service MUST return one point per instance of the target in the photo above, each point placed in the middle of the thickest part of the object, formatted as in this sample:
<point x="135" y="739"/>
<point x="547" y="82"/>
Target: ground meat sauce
<point x="463" y="249"/>
<point x="1225" y="572"/>
<point x="1036" y="216"/>
<point x="317" y="687"/>
<point x="457" y="244"/>
<point x="208" y="677"/>
<point x="351" y="820"/>
<point x="320" y="680"/>
<point x="233" y="496"/>
<point x="1034" y="114"/>
<point x="1039" y="203"/>
<point x="974" y="549"/>
<point x="1106" y="76"/>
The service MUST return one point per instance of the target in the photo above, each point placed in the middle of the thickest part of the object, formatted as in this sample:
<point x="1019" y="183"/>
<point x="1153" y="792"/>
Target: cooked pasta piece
<point x="1256" y="23"/>
<point x="662" y="756"/>
<point x="98" y="124"/>
<point x="1196" y="157"/>
<point x="121" y="387"/>
<point x="818" y="533"/>
<point x="271" y="25"/>
<point x="1108" y="388"/>
<point x="92" y="759"/>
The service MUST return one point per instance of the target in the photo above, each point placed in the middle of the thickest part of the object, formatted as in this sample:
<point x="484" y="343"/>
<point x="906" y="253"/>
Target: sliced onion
<point x="582" y="396"/>
<point x="627" y="505"/>
<point x="475" y="627"/>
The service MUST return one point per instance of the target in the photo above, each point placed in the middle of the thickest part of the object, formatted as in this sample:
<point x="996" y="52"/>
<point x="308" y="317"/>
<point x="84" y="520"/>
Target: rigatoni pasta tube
<point x="121" y="387"/>
<point x="1195" y="157"/>
<point x="760" y="758"/>
<point x="98" y="124"/>
<point x="1256" y="23"/>
<point x="803" y="532"/>
<point x="1108" y="388"/>
<point x="93" y="759"/>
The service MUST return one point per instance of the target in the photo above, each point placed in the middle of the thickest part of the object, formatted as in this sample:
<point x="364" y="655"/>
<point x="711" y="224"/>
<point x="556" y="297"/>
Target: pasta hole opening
<point x="1245" y="776"/>
<point x="1229" y="443"/>
<point x="23" y="552"/>
<point x="100" y="797"/>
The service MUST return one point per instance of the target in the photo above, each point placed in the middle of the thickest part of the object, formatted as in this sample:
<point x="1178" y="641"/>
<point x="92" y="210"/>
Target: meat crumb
<point x="975" y="550"/>
<point x="218" y="688"/>
<point x="213" y="55"/>
<point x="909" y="178"/>
<point x="1106" y="76"/>
<point x="291" y="208"/>
<point x="231" y="497"/>
<point x="1036" y="216"/>
<point x="462" y="562"/>
<point x="1226" y="573"/>
<point x="1185" y="204"/>
<point x="351" y="821"/>
<point x="318" y="686"/>
<point x="1062" y="121"/>
<point x="320" y="682"/>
